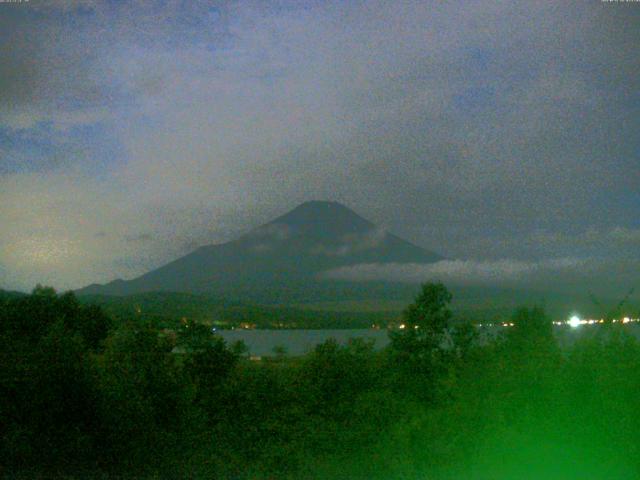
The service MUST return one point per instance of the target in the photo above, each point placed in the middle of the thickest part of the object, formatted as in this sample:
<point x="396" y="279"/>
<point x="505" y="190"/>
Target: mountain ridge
<point x="293" y="249"/>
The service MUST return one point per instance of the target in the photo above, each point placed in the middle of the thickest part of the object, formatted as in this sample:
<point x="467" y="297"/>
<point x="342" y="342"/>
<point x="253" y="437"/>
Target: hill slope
<point x="287" y="253"/>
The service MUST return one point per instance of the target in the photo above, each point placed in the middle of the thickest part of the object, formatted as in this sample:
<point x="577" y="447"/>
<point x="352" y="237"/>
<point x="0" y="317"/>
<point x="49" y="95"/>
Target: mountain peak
<point x="318" y="207"/>
<point x="332" y="217"/>
<point x="320" y="204"/>
<point x="291" y="251"/>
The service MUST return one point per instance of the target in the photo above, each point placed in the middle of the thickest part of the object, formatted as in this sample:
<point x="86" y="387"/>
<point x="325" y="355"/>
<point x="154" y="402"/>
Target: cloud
<point x="591" y="236"/>
<point x="458" y="271"/>
<point x="199" y="120"/>
<point x="352" y="243"/>
<point x="610" y="276"/>
<point x="271" y="231"/>
<point x="625" y="235"/>
<point x="267" y="237"/>
<point x="142" y="237"/>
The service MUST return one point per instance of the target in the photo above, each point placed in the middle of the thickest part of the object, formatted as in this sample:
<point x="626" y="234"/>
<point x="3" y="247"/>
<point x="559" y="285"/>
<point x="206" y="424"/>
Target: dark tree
<point x="420" y="349"/>
<point x="464" y="336"/>
<point x="425" y="321"/>
<point x="532" y="329"/>
<point x="240" y="348"/>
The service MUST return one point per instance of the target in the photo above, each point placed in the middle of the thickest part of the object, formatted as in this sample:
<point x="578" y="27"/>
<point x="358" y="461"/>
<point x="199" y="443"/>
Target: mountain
<point x="9" y="294"/>
<point x="289" y="253"/>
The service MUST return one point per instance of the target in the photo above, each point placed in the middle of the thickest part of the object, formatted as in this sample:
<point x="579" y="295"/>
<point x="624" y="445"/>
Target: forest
<point x="86" y="395"/>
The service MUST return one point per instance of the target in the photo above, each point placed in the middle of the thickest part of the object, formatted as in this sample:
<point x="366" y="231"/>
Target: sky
<point x="502" y="135"/>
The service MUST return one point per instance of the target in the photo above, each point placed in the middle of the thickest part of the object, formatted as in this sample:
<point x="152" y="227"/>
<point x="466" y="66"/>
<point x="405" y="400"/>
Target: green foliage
<point x="207" y="368"/>
<point x="240" y="348"/>
<point x="280" y="351"/>
<point x="333" y="374"/>
<point x="430" y="311"/>
<point x="531" y="325"/>
<point x="82" y="399"/>
<point x="141" y="397"/>
<point x="464" y="337"/>
<point x="420" y="351"/>
<point x="46" y="345"/>
<point x="29" y="317"/>
<point x="425" y="322"/>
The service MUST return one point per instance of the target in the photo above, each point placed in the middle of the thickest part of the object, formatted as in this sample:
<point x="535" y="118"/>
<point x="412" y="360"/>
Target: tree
<point x="419" y="349"/>
<point x="47" y="392"/>
<point x="532" y="329"/>
<point x="142" y="396"/>
<point x="528" y="363"/>
<point x="425" y="321"/>
<point x="280" y="351"/>
<point x="239" y="348"/>
<point x="211" y="363"/>
<point x="334" y="374"/>
<point x="90" y="321"/>
<point x="464" y="336"/>
<point x="194" y="336"/>
<point x="208" y="368"/>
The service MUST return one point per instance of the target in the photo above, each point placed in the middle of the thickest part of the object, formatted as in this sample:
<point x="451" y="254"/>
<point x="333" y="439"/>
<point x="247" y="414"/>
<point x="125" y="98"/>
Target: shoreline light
<point x="574" y="321"/>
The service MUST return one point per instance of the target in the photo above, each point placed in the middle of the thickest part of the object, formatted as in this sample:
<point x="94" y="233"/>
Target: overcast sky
<point x="504" y="135"/>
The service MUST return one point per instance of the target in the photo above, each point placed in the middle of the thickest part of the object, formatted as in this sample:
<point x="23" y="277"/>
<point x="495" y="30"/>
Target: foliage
<point x="83" y="398"/>
<point x="425" y="322"/>
<point x="420" y="348"/>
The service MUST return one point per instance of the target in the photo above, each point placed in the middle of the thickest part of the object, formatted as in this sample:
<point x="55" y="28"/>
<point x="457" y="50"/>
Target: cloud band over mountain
<point x="495" y="272"/>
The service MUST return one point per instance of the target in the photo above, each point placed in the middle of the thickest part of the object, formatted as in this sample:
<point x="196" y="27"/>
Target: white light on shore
<point x="574" y="321"/>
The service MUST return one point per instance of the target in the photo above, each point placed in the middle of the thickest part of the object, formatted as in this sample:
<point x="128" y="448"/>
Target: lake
<point x="299" y="342"/>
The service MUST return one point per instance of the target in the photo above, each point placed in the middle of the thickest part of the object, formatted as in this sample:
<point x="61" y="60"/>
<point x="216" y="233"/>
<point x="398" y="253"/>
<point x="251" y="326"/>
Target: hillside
<point x="169" y="309"/>
<point x="282" y="259"/>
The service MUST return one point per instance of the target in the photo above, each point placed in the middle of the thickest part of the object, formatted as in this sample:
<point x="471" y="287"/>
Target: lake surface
<point x="299" y="342"/>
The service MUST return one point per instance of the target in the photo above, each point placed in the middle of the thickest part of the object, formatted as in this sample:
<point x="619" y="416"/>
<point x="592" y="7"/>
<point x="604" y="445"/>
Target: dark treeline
<point x="349" y="309"/>
<point x="84" y="397"/>
<point x="166" y="310"/>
